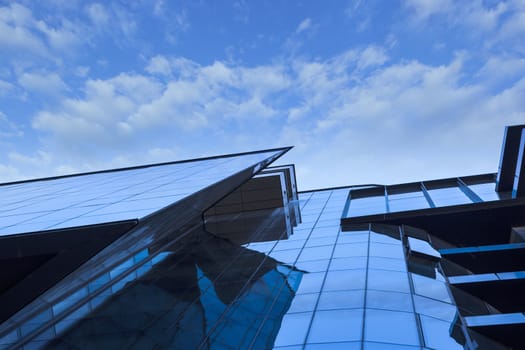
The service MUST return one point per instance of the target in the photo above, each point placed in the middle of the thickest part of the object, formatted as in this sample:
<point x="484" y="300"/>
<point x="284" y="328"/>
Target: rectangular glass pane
<point x="448" y="196"/>
<point x="366" y="206"/>
<point x="486" y="191"/>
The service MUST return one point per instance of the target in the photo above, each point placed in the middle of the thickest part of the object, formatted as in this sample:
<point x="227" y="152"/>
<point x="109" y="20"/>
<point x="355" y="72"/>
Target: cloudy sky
<point x="367" y="91"/>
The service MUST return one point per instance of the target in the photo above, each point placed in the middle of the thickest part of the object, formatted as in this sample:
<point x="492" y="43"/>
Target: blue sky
<point x="366" y="91"/>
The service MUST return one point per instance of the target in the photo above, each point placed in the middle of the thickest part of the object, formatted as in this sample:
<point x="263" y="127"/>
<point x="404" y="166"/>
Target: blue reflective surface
<point x="319" y="288"/>
<point x="400" y="198"/>
<point x="110" y="196"/>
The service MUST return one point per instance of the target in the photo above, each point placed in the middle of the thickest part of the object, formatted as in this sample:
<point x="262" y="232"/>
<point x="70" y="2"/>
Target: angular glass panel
<point x="430" y="288"/>
<point x="438" y="334"/>
<point x="423" y="247"/>
<point x="53" y="199"/>
<point x="434" y="308"/>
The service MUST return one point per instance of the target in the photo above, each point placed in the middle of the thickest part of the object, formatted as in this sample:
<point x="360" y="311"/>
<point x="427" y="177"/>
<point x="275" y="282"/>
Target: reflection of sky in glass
<point x="365" y="290"/>
<point x="420" y="199"/>
<point x="325" y="288"/>
<point x="110" y="196"/>
<point x="407" y="201"/>
<point x="448" y="196"/>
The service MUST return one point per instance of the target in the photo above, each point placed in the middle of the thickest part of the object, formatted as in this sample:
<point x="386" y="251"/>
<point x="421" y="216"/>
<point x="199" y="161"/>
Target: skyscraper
<point x="225" y="253"/>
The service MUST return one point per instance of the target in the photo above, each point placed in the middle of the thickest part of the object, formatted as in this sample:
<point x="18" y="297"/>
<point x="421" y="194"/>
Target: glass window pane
<point x="388" y="281"/>
<point x="293" y="329"/>
<point x="366" y="206"/>
<point x="437" y="334"/>
<point x="407" y="201"/>
<point x="391" y="327"/>
<point x="311" y="283"/>
<point x="342" y="300"/>
<point x="356" y="262"/>
<point x="303" y="302"/>
<point x="375" y="262"/>
<point x="486" y="191"/>
<point x="336" y="326"/>
<point x="434" y="308"/>
<point x="345" y="280"/>
<point x="430" y="288"/>
<point x="448" y="196"/>
<point x="389" y="301"/>
<point x="387" y="250"/>
<point x="350" y="250"/>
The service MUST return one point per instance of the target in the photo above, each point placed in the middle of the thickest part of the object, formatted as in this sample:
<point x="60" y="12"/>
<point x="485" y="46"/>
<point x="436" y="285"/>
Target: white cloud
<point x="16" y="23"/>
<point x="401" y="123"/>
<point x="159" y="8"/>
<point x="134" y="112"/>
<point x="423" y="9"/>
<point x="100" y="119"/>
<point x="159" y="65"/>
<point x="31" y="161"/>
<point x="372" y="56"/>
<point x="5" y="87"/>
<point x="390" y="119"/>
<point x="304" y="25"/>
<point x="353" y="7"/>
<point x="496" y="22"/>
<point x="241" y="11"/>
<point x="8" y="128"/>
<point x="63" y="37"/>
<point x="263" y="80"/>
<point x="125" y="21"/>
<point x="23" y="33"/>
<point x="9" y="172"/>
<point x="82" y="71"/>
<point x="43" y="83"/>
<point x="172" y="66"/>
<point x="98" y="14"/>
<point x="512" y="29"/>
<point x="475" y="14"/>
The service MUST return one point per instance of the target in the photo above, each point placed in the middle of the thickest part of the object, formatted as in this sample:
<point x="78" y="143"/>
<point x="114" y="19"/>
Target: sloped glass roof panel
<point x="131" y="193"/>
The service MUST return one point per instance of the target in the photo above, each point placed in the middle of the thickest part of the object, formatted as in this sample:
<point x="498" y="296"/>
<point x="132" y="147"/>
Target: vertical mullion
<point x="468" y="192"/>
<point x="427" y="195"/>
<point x="387" y="206"/>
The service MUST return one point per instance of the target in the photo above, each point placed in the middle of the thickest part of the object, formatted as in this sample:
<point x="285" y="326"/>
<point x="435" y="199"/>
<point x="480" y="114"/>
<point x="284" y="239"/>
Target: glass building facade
<point x="225" y="253"/>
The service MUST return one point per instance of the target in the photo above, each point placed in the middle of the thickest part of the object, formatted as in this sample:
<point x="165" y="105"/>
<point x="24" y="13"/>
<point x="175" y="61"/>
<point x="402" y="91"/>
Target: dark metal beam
<point x="509" y="158"/>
